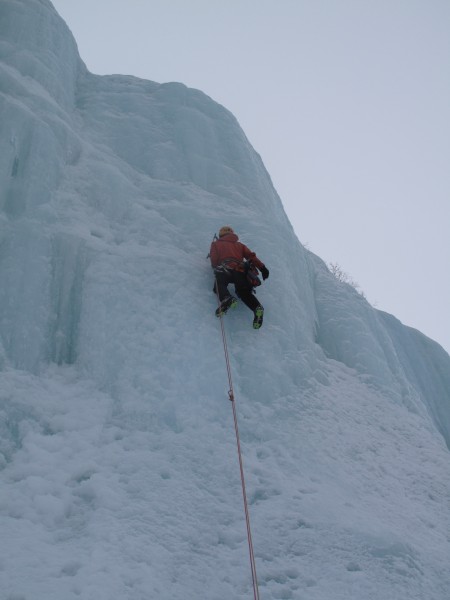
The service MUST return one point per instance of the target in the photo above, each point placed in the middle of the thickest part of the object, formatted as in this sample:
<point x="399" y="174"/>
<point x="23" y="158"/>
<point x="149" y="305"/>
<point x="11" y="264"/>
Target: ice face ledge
<point x="37" y="43"/>
<point x="401" y="362"/>
<point x="173" y="133"/>
<point x="146" y="164"/>
<point x="91" y="162"/>
<point x="39" y="69"/>
<point x="426" y="366"/>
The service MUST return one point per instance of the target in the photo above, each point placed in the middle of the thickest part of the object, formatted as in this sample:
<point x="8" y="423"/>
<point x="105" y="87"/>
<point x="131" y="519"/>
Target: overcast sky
<point x="346" y="101"/>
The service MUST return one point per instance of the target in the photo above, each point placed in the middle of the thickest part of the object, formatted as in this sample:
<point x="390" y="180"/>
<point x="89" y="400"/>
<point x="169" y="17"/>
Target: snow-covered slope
<point x="119" y="472"/>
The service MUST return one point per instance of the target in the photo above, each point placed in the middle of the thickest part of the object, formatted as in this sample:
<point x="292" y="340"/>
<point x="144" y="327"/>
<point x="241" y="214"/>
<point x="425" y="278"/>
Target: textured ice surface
<point x="119" y="472"/>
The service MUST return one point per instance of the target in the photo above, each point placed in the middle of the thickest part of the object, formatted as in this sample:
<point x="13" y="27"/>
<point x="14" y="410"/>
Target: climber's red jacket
<point x="230" y="252"/>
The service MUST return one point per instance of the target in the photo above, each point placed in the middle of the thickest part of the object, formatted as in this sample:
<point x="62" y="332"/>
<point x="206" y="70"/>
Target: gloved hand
<point x="264" y="272"/>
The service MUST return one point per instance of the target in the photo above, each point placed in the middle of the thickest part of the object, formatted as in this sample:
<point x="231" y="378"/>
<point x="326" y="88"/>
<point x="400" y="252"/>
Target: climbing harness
<point x="241" y="465"/>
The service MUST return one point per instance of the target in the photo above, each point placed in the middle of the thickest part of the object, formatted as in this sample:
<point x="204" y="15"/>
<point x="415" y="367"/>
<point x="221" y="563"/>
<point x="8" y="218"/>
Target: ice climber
<point x="234" y="263"/>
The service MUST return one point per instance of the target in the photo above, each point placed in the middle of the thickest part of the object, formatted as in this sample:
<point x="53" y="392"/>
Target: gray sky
<point x="346" y="101"/>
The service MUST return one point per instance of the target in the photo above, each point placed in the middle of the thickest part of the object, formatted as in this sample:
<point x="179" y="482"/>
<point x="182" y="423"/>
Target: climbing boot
<point x="258" y="320"/>
<point x="225" y="305"/>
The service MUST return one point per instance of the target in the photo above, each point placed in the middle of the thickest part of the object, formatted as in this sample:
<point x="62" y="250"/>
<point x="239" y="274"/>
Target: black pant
<point x="244" y="290"/>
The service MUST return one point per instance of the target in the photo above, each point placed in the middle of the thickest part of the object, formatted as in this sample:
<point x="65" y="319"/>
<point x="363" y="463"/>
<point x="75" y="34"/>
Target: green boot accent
<point x="258" y="320"/>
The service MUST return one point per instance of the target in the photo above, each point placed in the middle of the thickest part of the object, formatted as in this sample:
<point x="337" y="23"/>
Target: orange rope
<point x="241" y="465"/>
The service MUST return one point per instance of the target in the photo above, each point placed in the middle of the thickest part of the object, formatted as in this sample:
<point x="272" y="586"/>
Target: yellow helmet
<point x="224" y="230"/>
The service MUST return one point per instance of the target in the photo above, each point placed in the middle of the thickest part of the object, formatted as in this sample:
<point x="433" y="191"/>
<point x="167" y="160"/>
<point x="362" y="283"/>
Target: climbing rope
<point x="241" y="465"/>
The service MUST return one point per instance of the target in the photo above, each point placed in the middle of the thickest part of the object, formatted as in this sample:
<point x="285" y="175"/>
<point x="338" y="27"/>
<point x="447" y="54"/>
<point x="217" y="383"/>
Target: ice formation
<point x="119" y="475"/>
